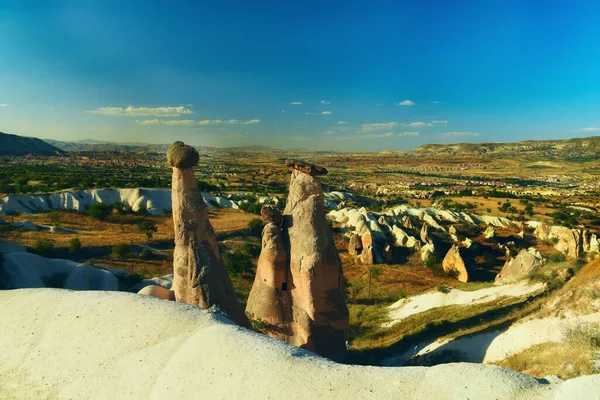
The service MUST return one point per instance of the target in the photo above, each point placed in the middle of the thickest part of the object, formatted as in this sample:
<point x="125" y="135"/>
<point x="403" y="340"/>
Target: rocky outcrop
<point x="455" y="262"/>
<point x="320" y="315"/>
<point x="269" y="299"/>
<point x="200" y="277"/>
<point x="407" y="223"/>
<point x="355" y="246"/>
<point x="519" y="267"/>
<point x="425" y="233"/>
<point x="427" y="252"/>
<point x="453" y="233"/>
<point x="158" y="292"/>
<point x="572" y="242"/>
<point x="489" y="232"/>
<point x="368" y="255"/>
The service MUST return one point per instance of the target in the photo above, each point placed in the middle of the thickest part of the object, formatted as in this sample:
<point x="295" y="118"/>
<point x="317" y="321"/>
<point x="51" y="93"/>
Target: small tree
<point x="120" y="250"/>
<point x="74" y="245"/>
<point x="43" y="246"/>
<point x="148" y="228"/>
<point x="99" y="211"/>
<point x="255" y="225"/>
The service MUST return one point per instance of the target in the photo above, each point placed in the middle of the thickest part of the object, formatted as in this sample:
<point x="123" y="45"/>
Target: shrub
<point x="552" y="281"/>
<point x="251" y="249"/>
<point x="142" y="209"/>
<point x="99" y="211"/>
<point x="120" y="250"/>
<point x="237" y="262"/>
<point x="74" y="245"/>
<point x="255" y="225"/>
<point x="557" y="257"/>
<point x="430" y="262"/>
<point x="119" y="207"/>
<point x="146" y="254"/>
<point x="43" y="246"/>
<point x="148" y="228"/>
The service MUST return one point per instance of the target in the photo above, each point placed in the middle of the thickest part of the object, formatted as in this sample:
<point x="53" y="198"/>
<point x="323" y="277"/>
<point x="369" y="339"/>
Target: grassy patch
<point x="578" y="355"/>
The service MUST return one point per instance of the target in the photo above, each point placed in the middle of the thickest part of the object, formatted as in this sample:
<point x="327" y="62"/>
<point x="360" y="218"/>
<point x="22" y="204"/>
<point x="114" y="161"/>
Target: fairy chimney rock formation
<point x="454" y="263"/>
<point x="200" y="277"/>
<point x="269" y="298"/>
<point x="320" y="315"/>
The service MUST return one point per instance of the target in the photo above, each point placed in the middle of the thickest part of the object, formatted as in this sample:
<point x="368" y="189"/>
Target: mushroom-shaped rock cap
<point x="306" y="167"/>
<point x="271" y="214"/>
<point x="180" y="155"/>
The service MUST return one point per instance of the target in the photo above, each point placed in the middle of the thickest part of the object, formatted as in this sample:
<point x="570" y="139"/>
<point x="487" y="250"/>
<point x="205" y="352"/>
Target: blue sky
<point x="347" y="75"/>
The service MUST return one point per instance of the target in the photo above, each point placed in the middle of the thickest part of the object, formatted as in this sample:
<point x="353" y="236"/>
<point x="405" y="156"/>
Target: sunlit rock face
<point x="200" y="277"/>
<point x="269" y="301"/>
<point x="320" y="315"/>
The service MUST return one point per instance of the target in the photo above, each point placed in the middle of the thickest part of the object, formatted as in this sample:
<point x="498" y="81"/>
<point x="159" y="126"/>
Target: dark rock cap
<point x="306" y="167"/>
<point x="271" y="214"/>
<point x="180" y="155"/>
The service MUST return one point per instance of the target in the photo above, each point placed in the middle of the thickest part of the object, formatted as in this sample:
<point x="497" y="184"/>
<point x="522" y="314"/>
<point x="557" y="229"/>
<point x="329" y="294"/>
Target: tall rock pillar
<point x="320" y="315"/>
<point x="200" y="277"/>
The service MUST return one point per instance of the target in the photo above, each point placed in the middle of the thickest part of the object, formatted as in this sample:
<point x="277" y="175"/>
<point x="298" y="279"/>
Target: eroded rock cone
<point x="455" y="263"/>
<point x="200" y="277"/>
<point x="269" y="299"/>
<point x="317" y="282"/>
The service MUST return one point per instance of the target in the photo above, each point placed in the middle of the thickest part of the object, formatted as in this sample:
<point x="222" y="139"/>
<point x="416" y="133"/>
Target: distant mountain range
<point x="95" y="145"/>
<point x="572" y="148"/>
<point x="14" y="145"/>
<point x="578" y="148"/>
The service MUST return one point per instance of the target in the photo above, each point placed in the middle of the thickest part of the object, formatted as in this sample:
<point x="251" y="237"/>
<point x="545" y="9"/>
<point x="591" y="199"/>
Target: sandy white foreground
<point x="65" y="344"/>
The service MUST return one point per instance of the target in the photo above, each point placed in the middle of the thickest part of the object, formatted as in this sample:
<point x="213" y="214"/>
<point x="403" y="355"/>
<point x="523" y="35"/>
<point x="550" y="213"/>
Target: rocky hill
<point x="570" y="148"/>
<point x="14" y="145"/>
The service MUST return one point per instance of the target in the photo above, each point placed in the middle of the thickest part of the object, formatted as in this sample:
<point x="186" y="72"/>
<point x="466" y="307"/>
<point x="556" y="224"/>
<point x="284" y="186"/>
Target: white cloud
<point x="180" y="122"/>
<point x="439" y="122"/>
<point x="407" y="133"/>
<point x="377" y="135"/>
<point x="296" y="103"/>
<point x="325" y="102"/>
<point x="588" y="129"/>
<point x="329" y="133"/>
<point x="406" y="103"/>
<point x="147" y="122"/>
<point x="3" y="105"/>
<point x="377" y="126"/>
<point x="228" y="122"/>
<point x="458" y="134"/>
<point x="435" y="102"/>
<point x="142" y="111"/>
<point x="319" y="113"/>
<point x="379" y="104"/>
<point x="418" y="124"/>
<point x="341" y="122"/>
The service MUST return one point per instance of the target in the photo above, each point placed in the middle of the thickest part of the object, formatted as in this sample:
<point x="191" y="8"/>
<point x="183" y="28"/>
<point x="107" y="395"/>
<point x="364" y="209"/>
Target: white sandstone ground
<point x="156" y="201"/>
<point x="417" y="304"/>
<point x="98" y="345"/>
<point x="26" y="270"/>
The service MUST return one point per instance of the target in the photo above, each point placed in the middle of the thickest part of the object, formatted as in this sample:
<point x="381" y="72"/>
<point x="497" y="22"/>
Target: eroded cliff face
<point x="200" y="277"/>
<point x="320" y="315"/>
